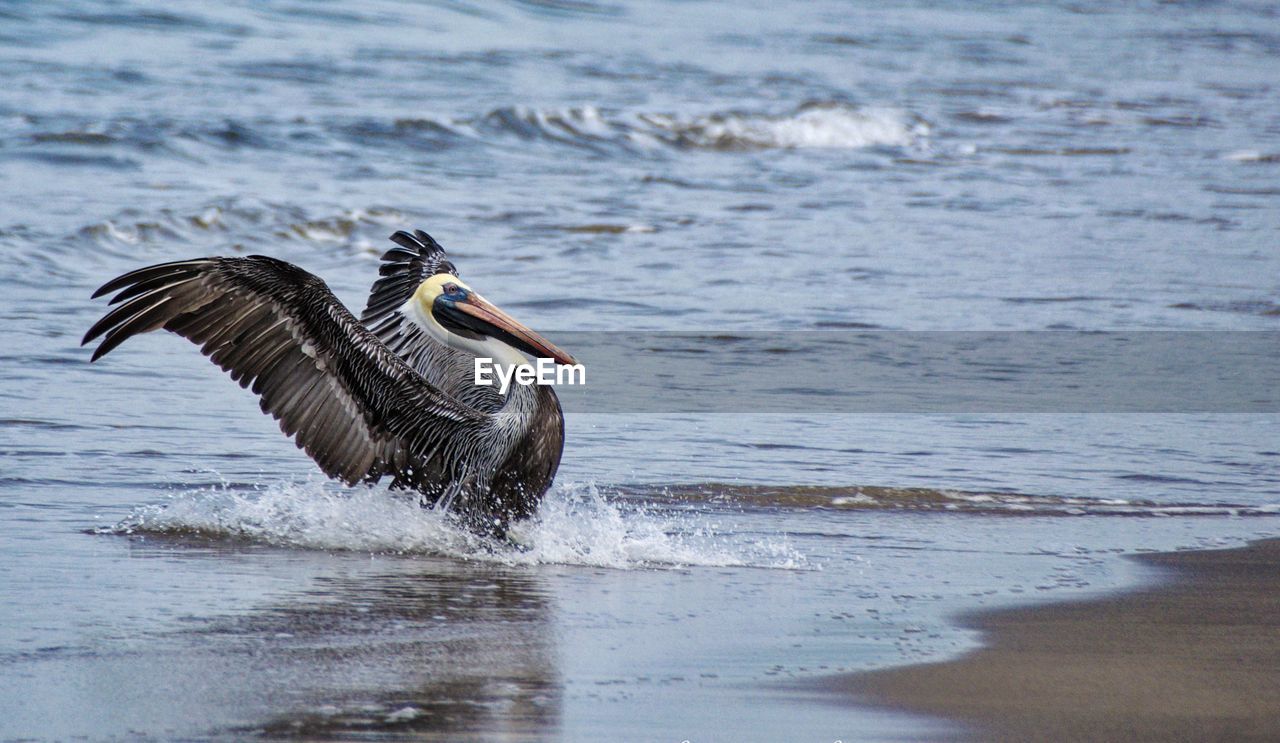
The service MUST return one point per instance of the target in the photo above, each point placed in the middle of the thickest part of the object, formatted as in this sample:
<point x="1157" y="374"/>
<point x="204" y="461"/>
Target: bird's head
<point x="454" y="314"/>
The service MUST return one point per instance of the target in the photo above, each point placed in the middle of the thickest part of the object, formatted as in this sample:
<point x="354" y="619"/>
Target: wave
<point x="270" y="222"/>
<point x="818" y="125"/>
<point x="623" y="527"/>
<point x="880" y="498"/>
<point x="812" y="125"/>
<point x="1252" y="156"/>
<point x="576" y="525"/>
<point x="1261" y="307"/>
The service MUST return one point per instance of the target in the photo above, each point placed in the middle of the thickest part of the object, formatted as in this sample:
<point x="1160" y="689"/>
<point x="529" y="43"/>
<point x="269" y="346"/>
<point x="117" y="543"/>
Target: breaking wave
<point x="247" y="220"/>
<point x="576" y="525"/>
<point x="826" y="125"/>
<point x="811" y="125"/>
<point x="831" y="126"/>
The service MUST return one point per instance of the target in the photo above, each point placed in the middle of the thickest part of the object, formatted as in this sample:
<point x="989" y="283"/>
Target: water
<point x="172" y="567"/>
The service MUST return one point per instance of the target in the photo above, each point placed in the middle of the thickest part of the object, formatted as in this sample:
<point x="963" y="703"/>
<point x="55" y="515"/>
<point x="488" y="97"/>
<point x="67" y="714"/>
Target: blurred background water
<point x="171" y="566"/>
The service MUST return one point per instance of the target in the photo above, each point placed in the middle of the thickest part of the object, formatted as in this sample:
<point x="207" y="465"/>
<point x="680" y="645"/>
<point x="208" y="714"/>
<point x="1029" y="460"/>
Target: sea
<point x="757" y="181"/>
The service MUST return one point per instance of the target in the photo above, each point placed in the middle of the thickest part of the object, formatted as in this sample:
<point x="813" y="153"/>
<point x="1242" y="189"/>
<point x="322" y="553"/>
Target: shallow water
<point x="172" y="567"/>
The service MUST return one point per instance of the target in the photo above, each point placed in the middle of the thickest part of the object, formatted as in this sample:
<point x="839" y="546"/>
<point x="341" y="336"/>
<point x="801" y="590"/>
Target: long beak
<point x="502" y="326"/>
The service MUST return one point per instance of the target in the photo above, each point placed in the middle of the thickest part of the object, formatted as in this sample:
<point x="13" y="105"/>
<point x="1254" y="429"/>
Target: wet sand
<point x="1195" y="657"/>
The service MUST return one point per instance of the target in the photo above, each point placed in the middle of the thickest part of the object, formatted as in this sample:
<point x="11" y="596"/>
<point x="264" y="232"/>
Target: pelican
<point x="390" y="394"/>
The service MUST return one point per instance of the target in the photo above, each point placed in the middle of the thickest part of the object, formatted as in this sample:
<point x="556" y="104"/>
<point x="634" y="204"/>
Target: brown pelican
<point x="391" y="394"/>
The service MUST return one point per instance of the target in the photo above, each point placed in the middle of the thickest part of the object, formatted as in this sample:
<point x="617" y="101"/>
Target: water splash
<point x="576" y="525"/>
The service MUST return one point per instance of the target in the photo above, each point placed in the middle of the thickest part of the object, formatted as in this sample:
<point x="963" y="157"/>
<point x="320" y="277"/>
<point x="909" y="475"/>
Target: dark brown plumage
<point x="362" y="401"/>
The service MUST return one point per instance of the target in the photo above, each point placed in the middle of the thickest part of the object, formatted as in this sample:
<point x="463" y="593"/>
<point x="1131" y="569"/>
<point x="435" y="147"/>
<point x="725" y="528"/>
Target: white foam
<point x="815" y="125"/>
<point x="576" y="525"/>
<point x="1250" y="156"/>
<point x="852" y="500"/>
<point x="586" y="120"/>
<point x="828" y="126"/>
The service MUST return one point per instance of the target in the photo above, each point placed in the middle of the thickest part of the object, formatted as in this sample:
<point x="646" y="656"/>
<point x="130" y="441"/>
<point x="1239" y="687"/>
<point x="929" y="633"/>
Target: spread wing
<point x="353" y="405"/>
<point x="416" y="258"/>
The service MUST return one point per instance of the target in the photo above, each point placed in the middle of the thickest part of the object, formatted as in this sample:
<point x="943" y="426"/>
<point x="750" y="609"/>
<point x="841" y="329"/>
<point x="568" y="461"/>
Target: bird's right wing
<point x="356" y="408"/>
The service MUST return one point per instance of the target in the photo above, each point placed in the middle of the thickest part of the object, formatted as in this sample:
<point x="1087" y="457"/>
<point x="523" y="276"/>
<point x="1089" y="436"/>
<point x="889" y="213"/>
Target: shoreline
<point x="1196" y="656"/>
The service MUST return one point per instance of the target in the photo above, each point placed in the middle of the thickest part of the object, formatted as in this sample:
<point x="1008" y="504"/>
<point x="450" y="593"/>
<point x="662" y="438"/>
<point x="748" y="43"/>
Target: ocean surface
<point x="172" y="567"/>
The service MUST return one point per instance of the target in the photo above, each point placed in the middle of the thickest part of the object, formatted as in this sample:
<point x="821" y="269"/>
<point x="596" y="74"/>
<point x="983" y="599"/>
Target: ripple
<point x="608" y="229"/>
<point x="157" y="20"/>
<point x="1184" y="122"/>
<point x="570" y="8"/>
<point x="301" y="71"/>
<point x="89" y="138"/>
<point x="1063" y="151"/>
<point x="1252" y="156"/>
<point x="1260" y="307"/>
<point x="1052" y="300"/>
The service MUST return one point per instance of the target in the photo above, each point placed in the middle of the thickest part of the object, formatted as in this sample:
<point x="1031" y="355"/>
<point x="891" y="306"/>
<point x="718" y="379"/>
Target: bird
<point x="391" y="394"/>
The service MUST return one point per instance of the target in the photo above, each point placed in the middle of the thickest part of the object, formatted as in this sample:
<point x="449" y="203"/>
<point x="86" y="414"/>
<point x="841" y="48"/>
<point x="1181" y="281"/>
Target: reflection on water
<point x="441" y="654"/>
<point x="432" y="647"/>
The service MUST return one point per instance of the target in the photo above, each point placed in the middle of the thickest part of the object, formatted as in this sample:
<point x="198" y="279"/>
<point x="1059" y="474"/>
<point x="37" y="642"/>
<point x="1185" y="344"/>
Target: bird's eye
<point x="451" y="289"/>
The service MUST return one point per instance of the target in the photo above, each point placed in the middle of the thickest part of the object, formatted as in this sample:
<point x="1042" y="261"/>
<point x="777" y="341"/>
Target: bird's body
<point x="391" y="394"/>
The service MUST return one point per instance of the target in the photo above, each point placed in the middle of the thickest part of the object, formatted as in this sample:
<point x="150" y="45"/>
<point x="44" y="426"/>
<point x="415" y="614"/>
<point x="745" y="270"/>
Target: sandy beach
<point x="1195" y="657"/>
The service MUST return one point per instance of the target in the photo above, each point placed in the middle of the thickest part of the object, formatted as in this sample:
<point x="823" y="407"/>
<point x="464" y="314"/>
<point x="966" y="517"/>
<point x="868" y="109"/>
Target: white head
<point x="455" y="315"/>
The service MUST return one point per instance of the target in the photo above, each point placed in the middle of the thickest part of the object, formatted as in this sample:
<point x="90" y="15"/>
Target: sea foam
<point x="813" y="125"/>
<point x="577" y="524"/>
<point x="818" y="126"/>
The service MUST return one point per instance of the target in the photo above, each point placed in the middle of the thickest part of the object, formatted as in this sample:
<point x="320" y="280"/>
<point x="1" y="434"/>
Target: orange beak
<point x="505" y="328"/>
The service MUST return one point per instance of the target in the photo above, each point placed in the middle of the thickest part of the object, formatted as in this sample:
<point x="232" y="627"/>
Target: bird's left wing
<point x="356" y="408"/>
<point x="415" y="259"/>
